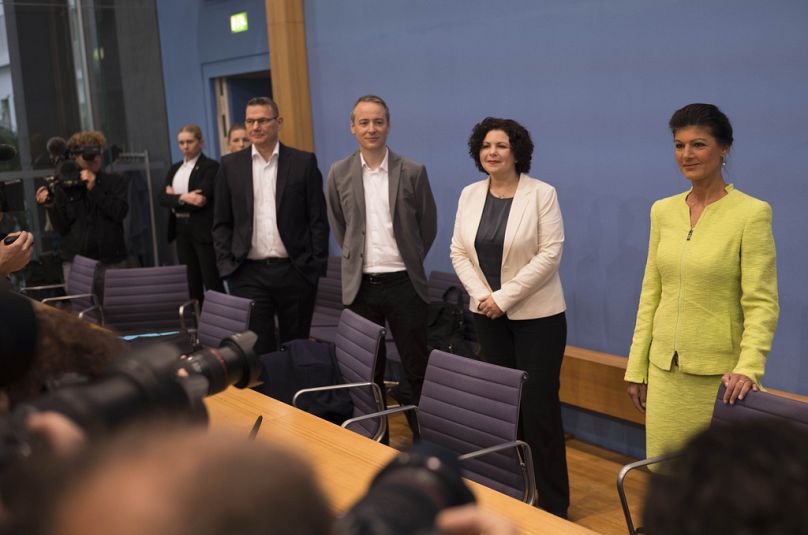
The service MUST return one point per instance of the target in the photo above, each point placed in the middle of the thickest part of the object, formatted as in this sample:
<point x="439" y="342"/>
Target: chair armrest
<point x="49" y="300"/>
<point x="526" y="461"/>
<point x="381" y="414"/>
<point x="621" y="476"/>
<point x="97" y="307"/>
<point x="377" y="392"/>
<point x="183" y="327"/>
<point x="45" y="287"/>
<point x="377" y="397"/>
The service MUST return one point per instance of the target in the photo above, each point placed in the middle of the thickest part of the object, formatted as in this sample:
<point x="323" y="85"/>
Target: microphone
<point x="7" y="152"/>
<point x="56" y="147"/>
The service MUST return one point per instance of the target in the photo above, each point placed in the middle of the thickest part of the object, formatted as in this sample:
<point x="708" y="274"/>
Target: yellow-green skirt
<point x="678" y="406"/>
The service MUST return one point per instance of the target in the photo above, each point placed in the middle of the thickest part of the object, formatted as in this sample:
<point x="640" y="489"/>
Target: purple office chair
<point x="472" y="408"/>
<point x="143" y="300"/>
<point x="328" y="301"/>
<point x="79" y="287"/>
<point x="222" y="315"/>
<point x="755" y="406"/>
<point x="358" y="342"/>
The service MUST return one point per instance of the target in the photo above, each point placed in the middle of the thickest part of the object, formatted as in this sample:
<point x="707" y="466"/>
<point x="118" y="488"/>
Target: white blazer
<point x="534" y="240"/>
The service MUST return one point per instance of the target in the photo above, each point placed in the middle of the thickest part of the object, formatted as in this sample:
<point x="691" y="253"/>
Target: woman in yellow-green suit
<point x="708" y="308"/>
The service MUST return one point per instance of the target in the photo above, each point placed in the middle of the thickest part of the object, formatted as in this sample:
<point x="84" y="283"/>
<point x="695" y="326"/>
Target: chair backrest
<point x="329" y="288"/>
<point x="81" y="280"/>
<point x="140" y="300"/>
<point x="222" y="315"/>
<point x="358" y="343"/>
<point x="440" y="281"/>
<point x="467" y="405"/>
<point x="760" y="405"/>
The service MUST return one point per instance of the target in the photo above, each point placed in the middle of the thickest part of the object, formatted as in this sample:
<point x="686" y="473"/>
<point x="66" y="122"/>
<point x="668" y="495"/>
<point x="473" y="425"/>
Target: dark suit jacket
<point x="91" y="222"/>
<point x="299" y="201"/>
<point x="415" y="219"/>
<point x="202" y="177"/>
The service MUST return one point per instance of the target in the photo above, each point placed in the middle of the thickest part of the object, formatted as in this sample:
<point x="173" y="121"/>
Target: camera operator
<point x="88" y="210"/>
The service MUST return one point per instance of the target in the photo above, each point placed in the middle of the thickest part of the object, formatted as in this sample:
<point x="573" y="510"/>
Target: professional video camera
<point x="67" y="172"/>
<point x="407" y="494"/>
<point x="151" y="380"/>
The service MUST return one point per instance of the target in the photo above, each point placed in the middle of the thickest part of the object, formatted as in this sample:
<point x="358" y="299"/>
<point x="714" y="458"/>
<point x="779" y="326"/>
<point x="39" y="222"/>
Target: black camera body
<point x="68" y="173"/>
<point x="150" y="381"/>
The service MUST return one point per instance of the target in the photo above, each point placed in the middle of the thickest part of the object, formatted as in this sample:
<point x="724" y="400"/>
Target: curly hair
<point x="518" y="136"/>
<point x="65" y="344"/>
<point x="705" y="115"/>
<point x="87" y="138"/>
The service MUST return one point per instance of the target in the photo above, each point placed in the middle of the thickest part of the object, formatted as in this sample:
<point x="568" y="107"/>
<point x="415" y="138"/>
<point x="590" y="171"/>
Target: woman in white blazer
<point x="506" y="249"/>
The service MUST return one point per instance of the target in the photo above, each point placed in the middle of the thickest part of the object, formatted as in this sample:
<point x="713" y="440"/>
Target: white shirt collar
<point x="382" y="167"/>
<point x="275" y="152"/>
<point x="192" y="161"/>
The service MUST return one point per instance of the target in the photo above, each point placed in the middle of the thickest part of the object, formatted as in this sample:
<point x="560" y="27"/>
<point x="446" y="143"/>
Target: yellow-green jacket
<point x="710" y="294"/>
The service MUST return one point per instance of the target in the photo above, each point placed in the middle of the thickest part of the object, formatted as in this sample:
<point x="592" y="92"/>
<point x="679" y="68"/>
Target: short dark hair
<point x="264" y="101"/>
<point x="374" y="99"/>
<point x="518" y="136"/>
<point x="747" y="477"/>
<point x="707" y="116"/>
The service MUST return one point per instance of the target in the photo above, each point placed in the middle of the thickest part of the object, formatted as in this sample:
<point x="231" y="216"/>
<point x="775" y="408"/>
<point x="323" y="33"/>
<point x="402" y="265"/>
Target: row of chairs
<point x="467" y="406"/>
<point x="470" y="407"/>
<point x="149" y="300"/>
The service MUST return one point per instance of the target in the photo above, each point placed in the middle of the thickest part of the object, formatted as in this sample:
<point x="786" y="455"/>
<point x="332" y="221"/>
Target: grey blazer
<point x="412" y="208"/>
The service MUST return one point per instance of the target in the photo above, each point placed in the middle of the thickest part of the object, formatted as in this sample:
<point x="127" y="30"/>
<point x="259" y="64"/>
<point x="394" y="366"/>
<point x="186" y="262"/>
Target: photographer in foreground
<point x="86" y="205"/>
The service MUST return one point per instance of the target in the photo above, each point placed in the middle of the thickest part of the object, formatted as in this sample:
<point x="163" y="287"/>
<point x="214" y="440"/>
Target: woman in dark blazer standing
<point x="189" y="194"/>
<point x="506" y="249"/>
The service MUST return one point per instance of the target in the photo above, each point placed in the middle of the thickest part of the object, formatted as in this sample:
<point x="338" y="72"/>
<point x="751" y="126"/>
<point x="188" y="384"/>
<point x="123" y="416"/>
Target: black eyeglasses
<point x="261" y="121"/>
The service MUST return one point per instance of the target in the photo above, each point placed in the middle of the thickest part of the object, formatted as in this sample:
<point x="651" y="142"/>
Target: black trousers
<point x="537" y="347"/>
<point x="200" y="258"/>
<point x="391" y="297"/>
<point x="279" y="290"/>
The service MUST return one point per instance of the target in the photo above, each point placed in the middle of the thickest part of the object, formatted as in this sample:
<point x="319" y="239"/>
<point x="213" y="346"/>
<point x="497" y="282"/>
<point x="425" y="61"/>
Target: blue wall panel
<point x="595" y="82"/>
<point x="196" y="45"/>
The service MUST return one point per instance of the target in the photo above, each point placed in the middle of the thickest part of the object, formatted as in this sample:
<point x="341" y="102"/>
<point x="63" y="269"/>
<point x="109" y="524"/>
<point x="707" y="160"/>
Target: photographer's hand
<point x="62" y="435"/>
<point x="42" y="197"/>
<point x="471" y="520"/>
<point x="88" y="177"/>
<point x="14" y="257"/>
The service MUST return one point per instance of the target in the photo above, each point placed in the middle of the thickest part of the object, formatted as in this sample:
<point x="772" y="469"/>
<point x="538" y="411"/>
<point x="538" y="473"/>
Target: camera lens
<point x="407" y="495"/>
<point x="233" y="363"/>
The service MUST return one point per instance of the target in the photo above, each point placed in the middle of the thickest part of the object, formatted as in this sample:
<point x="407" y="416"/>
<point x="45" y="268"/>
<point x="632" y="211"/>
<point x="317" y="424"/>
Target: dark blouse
<point x="490" y="238"/>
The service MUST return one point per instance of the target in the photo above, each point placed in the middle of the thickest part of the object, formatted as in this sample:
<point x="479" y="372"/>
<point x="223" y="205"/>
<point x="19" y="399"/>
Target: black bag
<point x="449" y="325"/>
<point x="305" y="364"/>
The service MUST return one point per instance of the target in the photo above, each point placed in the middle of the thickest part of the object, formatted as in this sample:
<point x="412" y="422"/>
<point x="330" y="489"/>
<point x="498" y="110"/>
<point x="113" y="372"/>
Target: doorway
<point x="232" y="94"/>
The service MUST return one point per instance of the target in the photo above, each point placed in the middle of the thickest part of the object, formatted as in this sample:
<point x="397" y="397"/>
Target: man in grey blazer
<point x="381" y="209"/>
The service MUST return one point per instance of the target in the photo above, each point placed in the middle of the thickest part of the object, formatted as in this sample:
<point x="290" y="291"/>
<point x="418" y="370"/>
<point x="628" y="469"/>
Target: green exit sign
<point x="238" y="22"/>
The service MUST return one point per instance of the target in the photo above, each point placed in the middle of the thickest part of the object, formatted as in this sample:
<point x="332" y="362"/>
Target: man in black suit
<point x="270" y="228"/>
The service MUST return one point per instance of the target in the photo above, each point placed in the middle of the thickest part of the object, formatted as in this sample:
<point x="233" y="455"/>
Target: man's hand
<point x="88" y="177"/>
<point x="42" y="197"/>
<point x="14" y="257"/>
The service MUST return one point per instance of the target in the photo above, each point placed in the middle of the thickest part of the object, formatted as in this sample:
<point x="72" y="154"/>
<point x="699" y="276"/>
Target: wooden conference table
<point x="346" y="462"/>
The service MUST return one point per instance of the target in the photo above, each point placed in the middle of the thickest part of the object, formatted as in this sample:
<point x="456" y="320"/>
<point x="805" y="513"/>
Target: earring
<point x="723" y="161"/>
